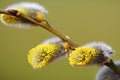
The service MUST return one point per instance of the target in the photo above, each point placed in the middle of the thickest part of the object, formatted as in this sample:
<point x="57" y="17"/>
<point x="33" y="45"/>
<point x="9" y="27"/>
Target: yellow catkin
<point x="9" y="19"/>
<point x="41" y="55"/>
<point x="82" y="56"/>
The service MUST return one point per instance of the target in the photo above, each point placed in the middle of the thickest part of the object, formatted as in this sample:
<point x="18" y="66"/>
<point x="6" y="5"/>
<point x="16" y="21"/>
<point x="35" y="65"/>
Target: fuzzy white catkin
<point x="30" y="9"/>
<point x="103" y="47"/>
<point x="105" y="73"/>
<point x="52" y="40"/>
<point x="29" y="6"/>
<point x="46" y="52"/>
<point x="59" y="41"/>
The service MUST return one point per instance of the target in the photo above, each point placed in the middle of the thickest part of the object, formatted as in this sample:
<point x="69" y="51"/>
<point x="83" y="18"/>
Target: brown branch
<point x="44" y="24"/>
<point x="112" y="65"/>
<point x="3" y="12"/>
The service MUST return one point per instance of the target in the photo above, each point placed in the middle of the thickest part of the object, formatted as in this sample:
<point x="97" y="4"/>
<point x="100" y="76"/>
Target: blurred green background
<point x="83" y="20"/>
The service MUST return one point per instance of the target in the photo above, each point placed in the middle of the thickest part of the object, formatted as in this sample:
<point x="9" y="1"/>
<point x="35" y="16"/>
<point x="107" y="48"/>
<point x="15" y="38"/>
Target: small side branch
<point x="112" y="65"/>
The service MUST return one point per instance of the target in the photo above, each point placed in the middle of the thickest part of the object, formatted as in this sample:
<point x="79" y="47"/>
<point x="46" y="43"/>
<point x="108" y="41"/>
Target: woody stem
<point x="44" y="24"/>
<point x="112" y="65"/>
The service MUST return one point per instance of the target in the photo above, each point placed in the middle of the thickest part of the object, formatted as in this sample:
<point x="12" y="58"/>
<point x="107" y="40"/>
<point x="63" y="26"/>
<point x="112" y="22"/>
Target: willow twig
<point x="4" y="12"/>
<point x="112" y="65"/>
<point x="44" y="24"/>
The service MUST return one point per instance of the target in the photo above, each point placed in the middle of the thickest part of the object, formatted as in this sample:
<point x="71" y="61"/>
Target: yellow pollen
<point x="82" y="56"/>
<point x="9" y="19"/>
<point x="41" y="55"/>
